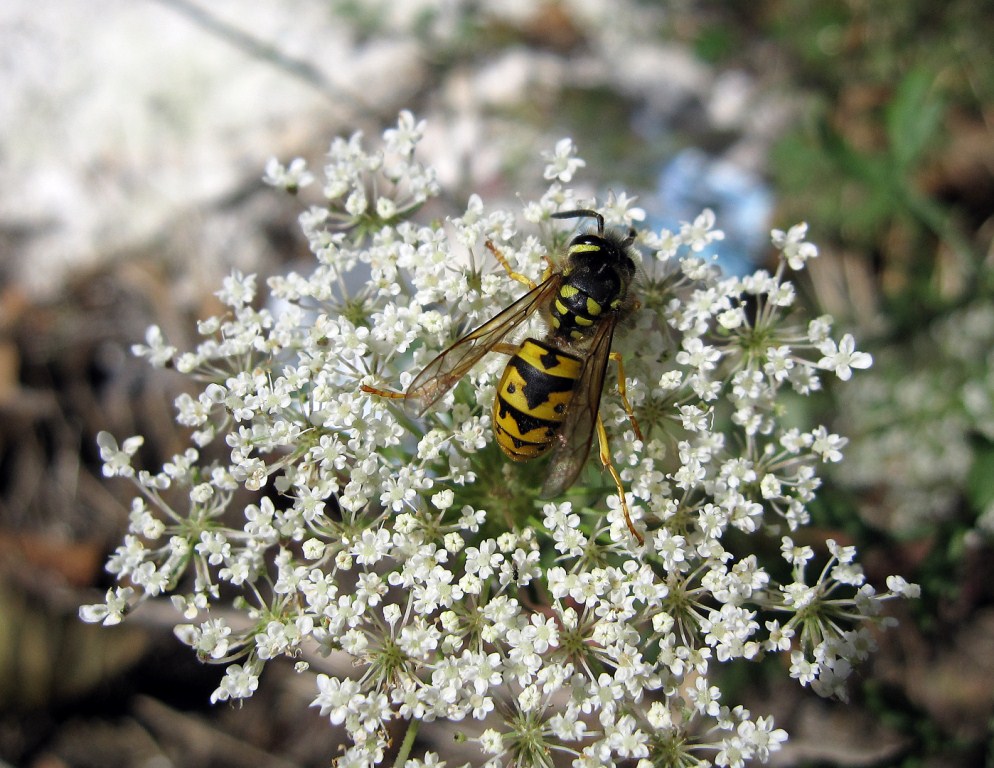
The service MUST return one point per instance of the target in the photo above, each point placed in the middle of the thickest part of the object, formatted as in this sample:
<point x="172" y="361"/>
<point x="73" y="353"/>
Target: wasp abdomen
<point x="532" y="397"/>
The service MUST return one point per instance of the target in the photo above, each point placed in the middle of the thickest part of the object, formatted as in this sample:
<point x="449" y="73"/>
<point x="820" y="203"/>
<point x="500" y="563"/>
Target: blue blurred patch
<point x="741" y="200"/>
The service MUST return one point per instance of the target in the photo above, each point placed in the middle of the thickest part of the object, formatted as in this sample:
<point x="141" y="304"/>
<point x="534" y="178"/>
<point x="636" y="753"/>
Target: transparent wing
<point x="442" y="373"/>
<point x="572" y="442"/>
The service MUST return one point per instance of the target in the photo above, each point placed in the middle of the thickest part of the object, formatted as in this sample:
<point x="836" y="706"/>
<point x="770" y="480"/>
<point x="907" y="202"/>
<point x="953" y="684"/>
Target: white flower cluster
<point x="921" y="424"/>
<point x="415" y="548"/>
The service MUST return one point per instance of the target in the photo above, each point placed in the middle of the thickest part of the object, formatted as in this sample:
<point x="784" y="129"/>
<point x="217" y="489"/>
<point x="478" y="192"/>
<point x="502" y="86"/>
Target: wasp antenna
<point x="582" y="213"/>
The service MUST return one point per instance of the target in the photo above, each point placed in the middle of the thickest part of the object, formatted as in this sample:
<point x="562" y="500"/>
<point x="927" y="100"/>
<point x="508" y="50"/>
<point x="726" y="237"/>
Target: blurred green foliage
<point x="890" y="84"/>
<point x="892" y="164"/>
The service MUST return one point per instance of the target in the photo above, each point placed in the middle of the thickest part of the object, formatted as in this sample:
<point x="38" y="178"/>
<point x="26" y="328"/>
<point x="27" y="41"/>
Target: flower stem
<point x="405" y="748"/>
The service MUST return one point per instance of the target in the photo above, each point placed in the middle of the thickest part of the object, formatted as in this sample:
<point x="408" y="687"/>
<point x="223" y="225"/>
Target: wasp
<point x="548" y="397"/>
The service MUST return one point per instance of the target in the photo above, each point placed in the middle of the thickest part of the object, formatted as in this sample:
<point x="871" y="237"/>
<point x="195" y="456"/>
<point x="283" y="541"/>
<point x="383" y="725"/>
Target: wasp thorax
<point x="594" y="285"/>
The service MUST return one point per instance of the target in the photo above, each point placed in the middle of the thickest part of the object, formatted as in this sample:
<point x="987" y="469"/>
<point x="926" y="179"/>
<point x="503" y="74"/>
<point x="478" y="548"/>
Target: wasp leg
<point x="503" y="349"/>
<point x="507" y="265"/>
<point x="383" y="392"/>
<point x="605" y="456"/>
<point x="623" y="391"/>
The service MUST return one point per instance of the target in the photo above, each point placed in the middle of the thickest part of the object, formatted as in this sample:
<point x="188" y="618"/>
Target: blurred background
<point x="134" y="137"/>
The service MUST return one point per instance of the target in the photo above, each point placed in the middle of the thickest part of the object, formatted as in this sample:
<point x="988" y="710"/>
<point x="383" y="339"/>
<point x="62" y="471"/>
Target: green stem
<point x="405" y="749"/>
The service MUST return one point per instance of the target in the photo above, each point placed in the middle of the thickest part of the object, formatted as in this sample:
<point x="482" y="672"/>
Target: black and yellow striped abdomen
<point x="532" y="397"/>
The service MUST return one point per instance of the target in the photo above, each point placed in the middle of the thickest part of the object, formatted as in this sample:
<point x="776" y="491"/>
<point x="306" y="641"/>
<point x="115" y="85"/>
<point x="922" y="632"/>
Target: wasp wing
<point x="442" y="373"/>
<point x="572" y="442"/>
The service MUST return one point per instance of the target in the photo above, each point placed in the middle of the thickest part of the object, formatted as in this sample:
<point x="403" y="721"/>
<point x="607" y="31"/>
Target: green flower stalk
<point x="407" y="542"/>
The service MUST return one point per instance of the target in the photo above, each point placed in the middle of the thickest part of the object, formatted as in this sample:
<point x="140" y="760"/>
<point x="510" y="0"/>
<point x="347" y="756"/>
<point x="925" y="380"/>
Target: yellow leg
<point x="605" y="456"/>
<point x="623" y="391"/>
<point x="502" y="349"/>
<point x="502" y="259"/>
<point x="383" y="392"/>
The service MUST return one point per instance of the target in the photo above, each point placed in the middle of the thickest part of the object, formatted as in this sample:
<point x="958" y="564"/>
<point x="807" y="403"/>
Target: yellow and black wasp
<point x="548" y="397"/>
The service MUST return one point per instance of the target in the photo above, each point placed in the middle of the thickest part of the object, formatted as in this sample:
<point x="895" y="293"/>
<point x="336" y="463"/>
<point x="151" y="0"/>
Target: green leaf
<point x="870" y="169"/>
<point x="913" y="118"/>
<point x="980" y="483"/>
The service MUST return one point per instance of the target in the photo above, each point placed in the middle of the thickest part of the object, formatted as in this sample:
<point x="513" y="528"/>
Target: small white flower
<point x="238" y="289"/>
<point x="117" y="461"/>
<point x="214" y="546"/>
<point x="334" y="697"/>
<point x="732" y="318"/>
<point x="562" y="163"/>
<point x="900" y="586"/>
<point x="385" y="208"/>
<point x="111" y="612"/>
<point x="357" y="203"/>
<point x="828" y="446"/>
<point x="795" y="555"/>
<point x="696" y="354"/>
<point x="701" y="233"/>
<point x="443" y="499"/>
<point x="406" y="135"/>
<point x="239" y="682"/>
<point x="159" y="353"/>
<point x="291" y="178"/>
<point x="844" y="358"/>
<point x="491" y="742"/>
<point x="620" y="208"/>
<point x="792" y="245"/>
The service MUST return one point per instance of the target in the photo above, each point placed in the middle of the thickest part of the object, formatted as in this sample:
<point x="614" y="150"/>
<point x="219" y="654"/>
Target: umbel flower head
<point x="542" y="627"/>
